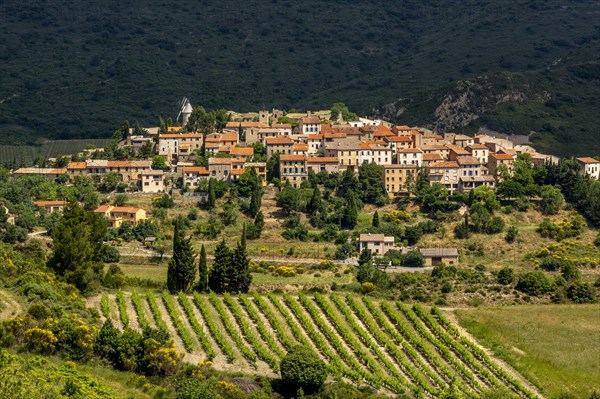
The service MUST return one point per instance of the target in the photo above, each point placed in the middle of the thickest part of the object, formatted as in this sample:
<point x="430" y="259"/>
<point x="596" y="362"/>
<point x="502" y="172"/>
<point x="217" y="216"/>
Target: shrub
<point x="550" y="264"/>
<point x="367" y="287"/>
<point x="570" y="272"/>
<point x="413" y="259"/>
<point x="506" y="276"/>
<point x="511" y="234"/>
<point x="597" y="240"/>
<point x="581" y="293"/>
<point x="109" y="254"/>
<point x="303" y="369"/>
<point x="462" y="231"/>
<point x="534" y="283"/>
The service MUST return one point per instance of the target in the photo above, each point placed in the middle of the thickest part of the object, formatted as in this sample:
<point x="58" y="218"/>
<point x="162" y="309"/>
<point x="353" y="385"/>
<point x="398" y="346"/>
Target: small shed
<point x="149" y="241"/>
<point x="434" y="256"/>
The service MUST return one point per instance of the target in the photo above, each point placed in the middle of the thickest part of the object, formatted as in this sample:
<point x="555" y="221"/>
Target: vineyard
<point x="22" y="155"/>
<point x="389" y="346"/>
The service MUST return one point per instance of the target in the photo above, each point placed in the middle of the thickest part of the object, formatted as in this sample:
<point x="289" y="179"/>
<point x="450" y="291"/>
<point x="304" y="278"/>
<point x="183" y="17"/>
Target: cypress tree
<point x="375" y="221"/>
<point x="314" y="205"/>
<point x="255" y="199"/>
<point x="181" y="272"/>
<point x="212" y="198"/>
<point x="350" y="217"/>
<point x="241" y="277"/>
<point x="219" y="276"/>
<point x="203" y="271"/>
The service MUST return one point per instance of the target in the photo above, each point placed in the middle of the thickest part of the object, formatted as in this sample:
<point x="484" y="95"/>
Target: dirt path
<point x="9" y="306"/>
<point x="131" y="313"/>
<point x="505" y="366"/>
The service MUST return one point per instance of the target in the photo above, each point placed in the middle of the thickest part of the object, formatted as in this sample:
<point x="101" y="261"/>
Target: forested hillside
<point x="71" y="69"/>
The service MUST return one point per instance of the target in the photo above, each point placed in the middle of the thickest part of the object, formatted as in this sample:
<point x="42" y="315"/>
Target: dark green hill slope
<point x="76" y="69"/>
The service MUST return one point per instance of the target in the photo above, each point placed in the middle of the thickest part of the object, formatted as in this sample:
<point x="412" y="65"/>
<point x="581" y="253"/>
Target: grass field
<point x="386" y="345"/>
<point x="553" y="346"/>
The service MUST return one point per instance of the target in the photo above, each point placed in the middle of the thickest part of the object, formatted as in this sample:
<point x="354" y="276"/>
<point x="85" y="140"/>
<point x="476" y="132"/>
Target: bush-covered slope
<point x="76" y="69"/>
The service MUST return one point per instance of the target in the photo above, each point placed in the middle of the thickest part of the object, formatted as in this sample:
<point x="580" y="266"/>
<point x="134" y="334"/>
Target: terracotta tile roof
<point x="40" y="171"/>
<point x="220" y="161"/>
<point x="213" y="140"/>
<point x="125" y="209"/>
<point x="184" y="147"/>
<point x="310" y="120"/>
<point x="322" y="160"/>
<point x="229" y="137"/>
<point x="49" y="203"/>
<point x="434" y="147"/>
<point x="245" y="124"/>
<point x="444" y="164"/>
<point x="248" y="151"/>
<point x="181" y="136"/>
<point x="315" y="137"/>
<point x="76" y="165"/>
<point x="476" y="147"/>
<point x="238" y="171"/>
<point x="398" y="139"/>
<point x="587" y="160"/>
<point x="201" y="170"/>
<point x="173" y="128"/>
<point x="291" y="157"/>
<point x="300" y="147"/>
<point x="103" y="208"/>
<point x="278" y="140"/>
<point x="282" y="125"/>
<point x="468" y="160"/>
<point x="501" y="156"/>
<point x="432" y="157"/>
<point x="409" y="150"/>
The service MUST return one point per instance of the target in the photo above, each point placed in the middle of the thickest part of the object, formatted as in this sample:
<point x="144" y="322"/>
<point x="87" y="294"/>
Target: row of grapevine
<point x="139" y="310"/>
<point x="155" y="310"/>
<point x="189" y="312"/>
<point x="122" y="309"/>
<point x="183" y="333"/>
<point x="105" y="306"/>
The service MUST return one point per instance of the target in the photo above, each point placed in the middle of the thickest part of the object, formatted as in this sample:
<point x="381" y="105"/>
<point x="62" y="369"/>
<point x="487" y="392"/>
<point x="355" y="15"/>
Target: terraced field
<point x="387" y="345"/>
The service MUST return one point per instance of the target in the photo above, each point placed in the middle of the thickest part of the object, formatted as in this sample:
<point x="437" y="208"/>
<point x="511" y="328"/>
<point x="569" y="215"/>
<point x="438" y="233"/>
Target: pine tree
<point x="375" y="221"/>
<point x="181" y="272"/>
<point x="315" y="204"/>
<point x="77" y="244"/>
<point x="219" y="276"/>
<point x="203" y="271"/>
<point x="212" y="198"/>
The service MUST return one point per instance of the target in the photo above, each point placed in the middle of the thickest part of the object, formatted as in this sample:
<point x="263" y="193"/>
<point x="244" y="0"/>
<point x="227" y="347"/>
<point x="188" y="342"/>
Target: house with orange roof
<point x="292" y="169"/>
<point x="431" y="158"/>
<point x="248" y="131"/>
<point x="462" y="140"/>
<point x="193" y="174"/>
<point x="479" y="151"/>
<point x="445" y="172"/>
<point x="436" y="149"/>
<point x="76" y="169"/>
<point x="242" y="152"/>
<point x="220" y="168"/>
<point x="300" y="149"/>
<point x="51" y="206"/>
<point x="169" y="145"/>
<point x="398" y="142"/>
<point x="117" y="215"/>
<point x="347" y="151"/>
<point x="410" y="156"/>
<point x="315" y="143"/>
<point x="432" y="139"/>
<point x="589" y="166"/>
<point x="281" y="144"/>
<point x="309" y="125"/>
<point x="455" y="152"/>
<point x="497" y="159"/>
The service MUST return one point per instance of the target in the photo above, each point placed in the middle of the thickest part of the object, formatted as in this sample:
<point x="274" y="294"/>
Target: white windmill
<point x="185" y="110"/>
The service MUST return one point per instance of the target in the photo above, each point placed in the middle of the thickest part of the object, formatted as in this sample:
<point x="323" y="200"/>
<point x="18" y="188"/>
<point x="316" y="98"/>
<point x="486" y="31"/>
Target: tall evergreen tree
<point x="255" y="199"/>
<point x="241" y="277"/>
<point x="375" y="221"/>
<point x="181" y="272"/>
<point x="350" y="216"/>
<point x="314" y="204"/>
<point x="219" y="276"/>
<point x="212" y="198"/>
<point x="203" y="271"/>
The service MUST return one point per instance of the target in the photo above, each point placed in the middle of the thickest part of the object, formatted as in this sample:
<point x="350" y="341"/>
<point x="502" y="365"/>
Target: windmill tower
<point x="185" y="110"/>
